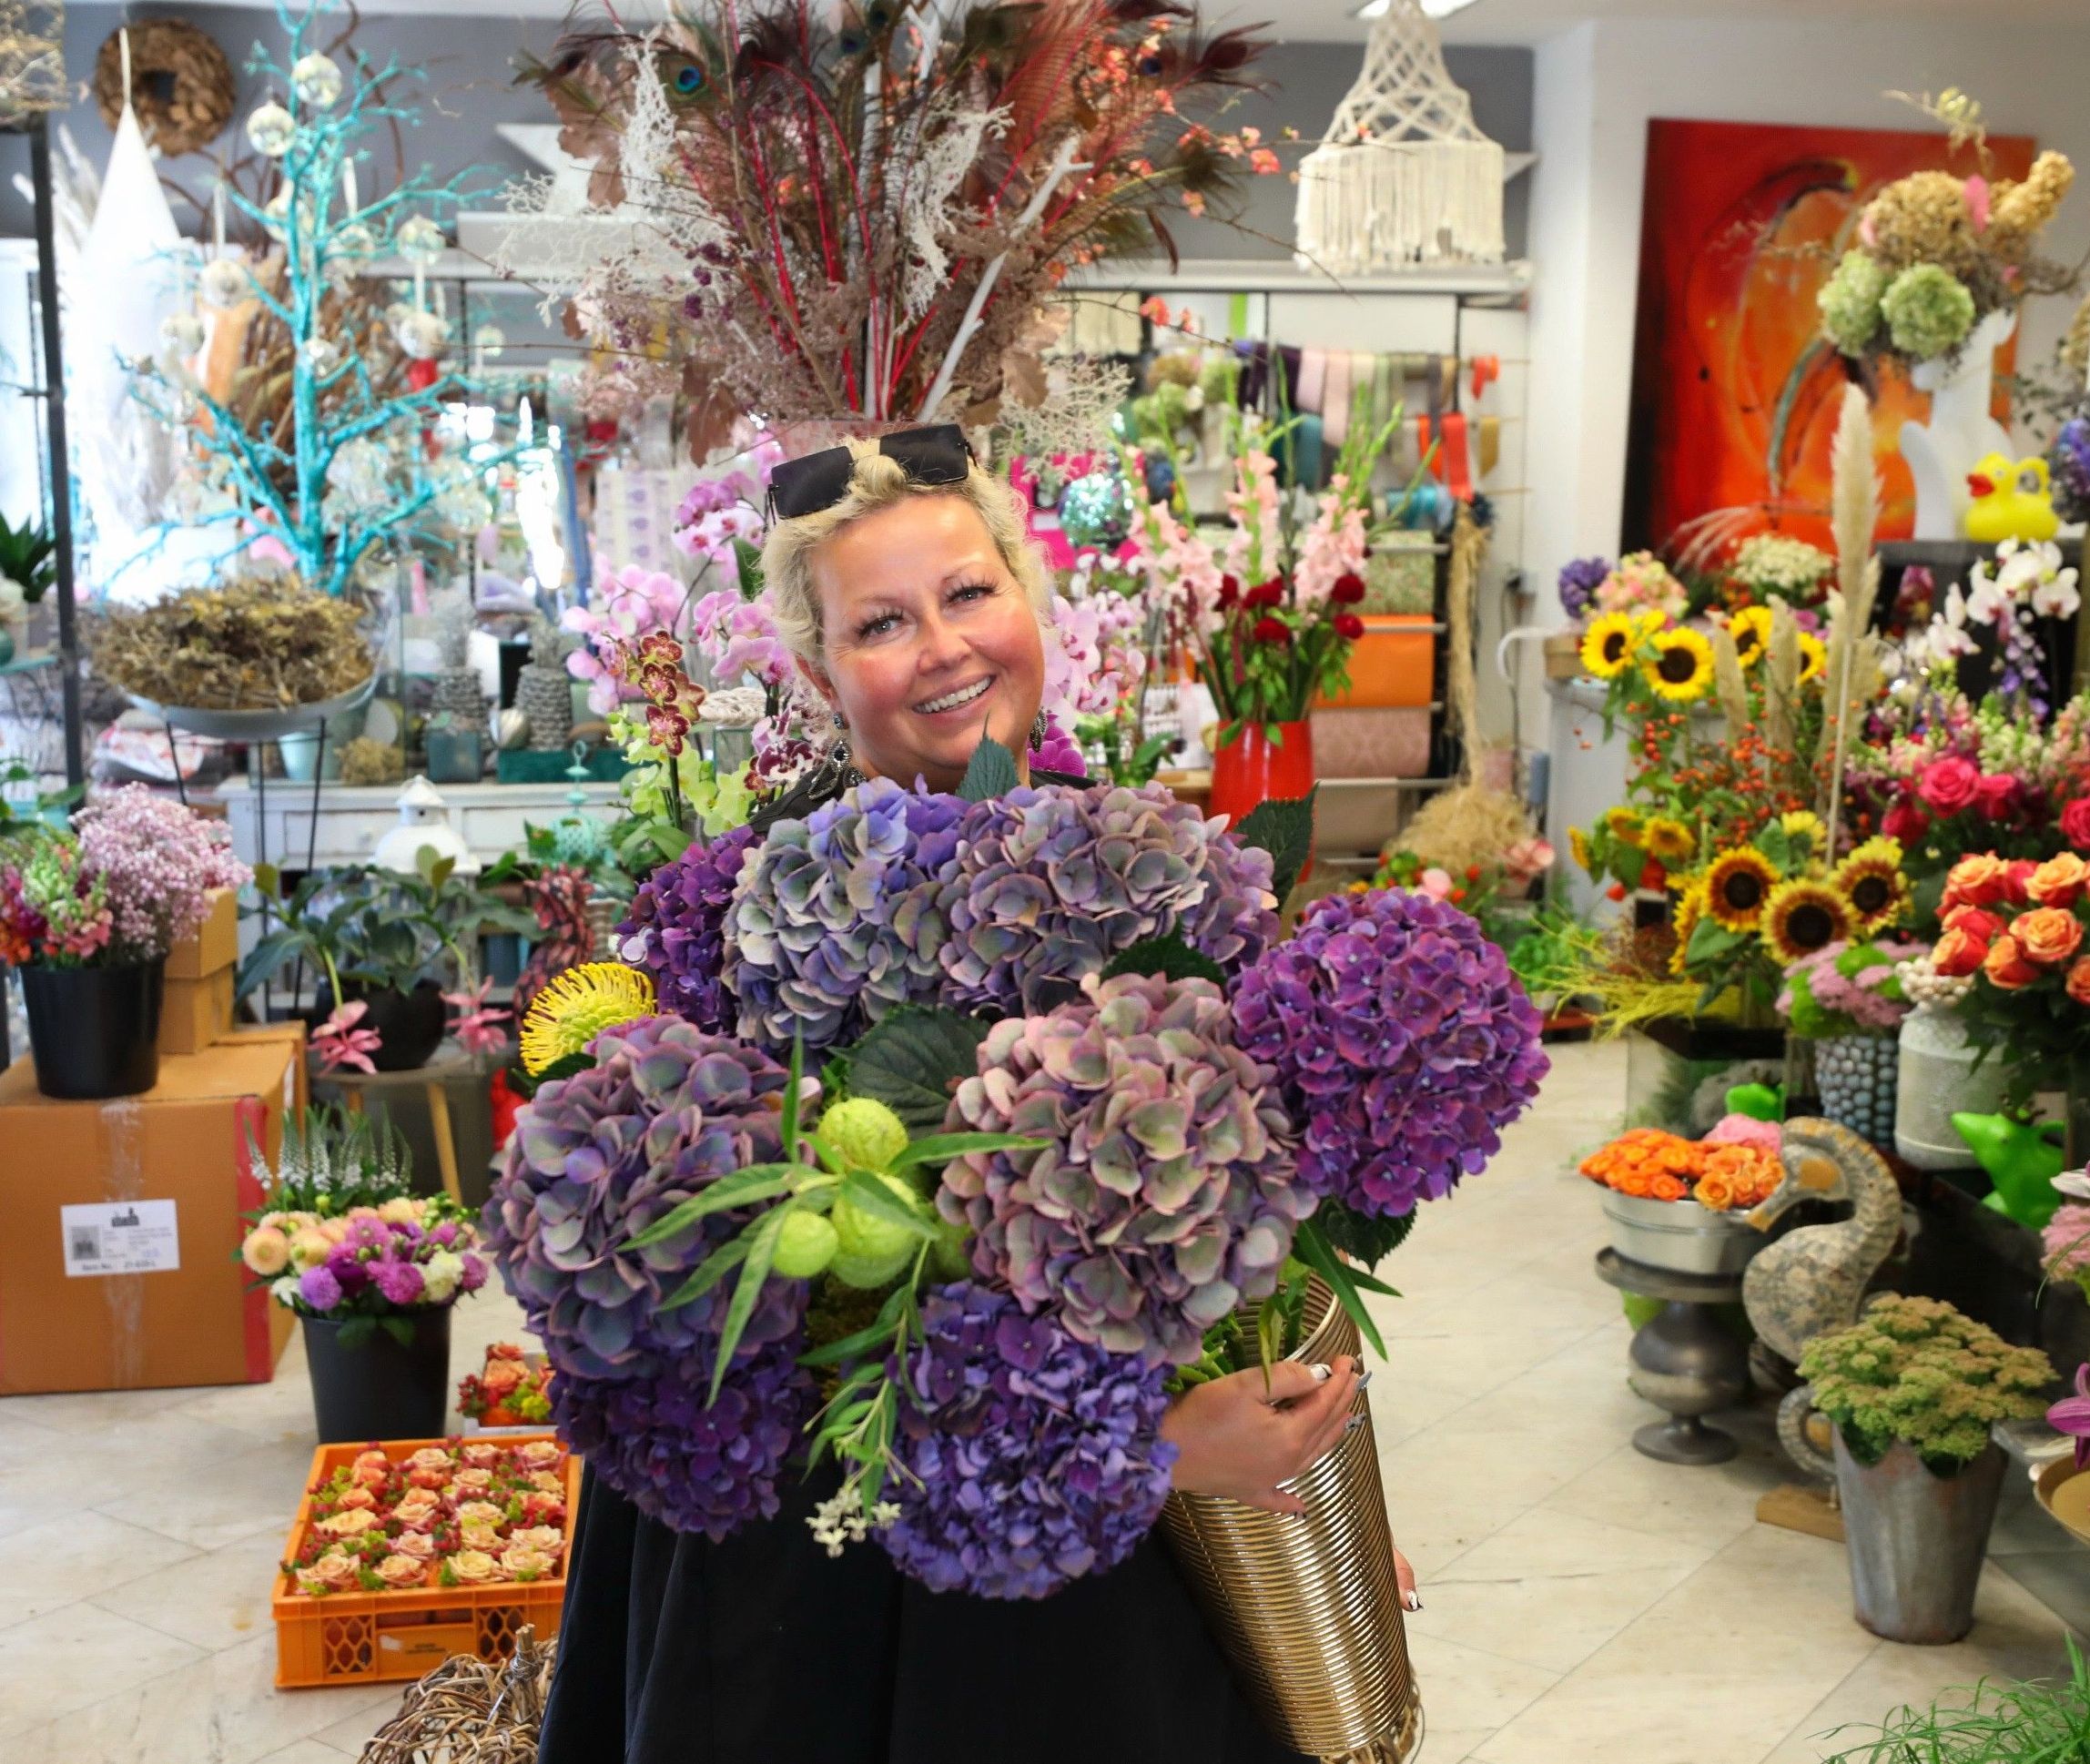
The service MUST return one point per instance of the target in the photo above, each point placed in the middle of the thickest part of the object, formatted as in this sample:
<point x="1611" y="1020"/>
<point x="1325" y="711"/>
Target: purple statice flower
<point x="836" y="920"/>
<point x="665" y="1111"/>
<point x="1050" y="883"/>
<point x="1577" y="583"/>
<point x="1164" y="1194"/>
<point x="1026" y="1456"/>
<point x="676" y="930"/>
<point x="2068" y="466"/>
<point x="398" y="1283"/>
<point x="1401" y="1045"/>
<point x="318" y="1288"/>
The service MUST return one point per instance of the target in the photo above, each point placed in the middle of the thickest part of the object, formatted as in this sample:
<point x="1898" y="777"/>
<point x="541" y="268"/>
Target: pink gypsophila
<point x="157" y="863"/>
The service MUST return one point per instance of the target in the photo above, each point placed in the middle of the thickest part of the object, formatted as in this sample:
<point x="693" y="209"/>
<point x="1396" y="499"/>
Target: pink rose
<point x="1906" y="823"/>
<point x="1998" y="795"/>
<point x="1950" y="784"/>
<point x="2075" y="823"/>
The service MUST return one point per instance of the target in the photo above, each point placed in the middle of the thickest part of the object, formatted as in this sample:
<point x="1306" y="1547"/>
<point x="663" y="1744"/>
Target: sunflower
<point x="1668" y="841"/>
<point x="1623" y="824"/>
<point x="1681" y="666"/>
<point x="1803" y="917"/>
<point x="1871" y="884"/>
<point x="1690" y="908"/>
<point x="1813" y="657"/>
<point x="1608" y="644"/>
<point x="1738" y="884"/>
<point x="1804" y="823"/>
<point x="1750" y="629"/>
<point x="1579" y="847"/>
<point x="578" y="1006"/>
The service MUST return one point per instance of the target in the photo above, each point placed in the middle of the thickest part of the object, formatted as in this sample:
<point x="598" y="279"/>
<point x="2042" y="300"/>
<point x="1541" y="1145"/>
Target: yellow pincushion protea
<point x="577" y="1007"/>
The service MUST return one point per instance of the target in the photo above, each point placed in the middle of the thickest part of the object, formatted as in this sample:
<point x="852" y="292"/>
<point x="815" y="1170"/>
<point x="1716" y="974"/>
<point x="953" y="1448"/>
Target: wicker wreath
<point x="181" y="84"/>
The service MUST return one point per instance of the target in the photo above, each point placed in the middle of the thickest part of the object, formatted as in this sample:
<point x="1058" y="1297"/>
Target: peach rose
<point x="542" y="1455"/>
<point x="1714" y="1191"/>
<point x="2079" y="981"/>
<point x="331" y="1573"/>
<point x="309" y="1249"/>
<point x="266" y="1250"/>
<point x="401" y="1210"/>
<point x="479" y="1536"/>
<point x="2048" y="935"/>
<point x="353" y="1523"/>
<point x="523" y="1563"/>
<point x="481" y="1513"/>
<point x="357" y="1497"/>
<point x="429" y="1477"/>
<point x="1958" y="952"/>
<point x="548" y="1538"/>
<point x="540" y="1509"/>
<point x="501" y="1377"/>
<point x="1666" y="1187"/>
<point x="466" y="1483"/>
<point x="403" y="1570"/>
<point x="2006" y="966"/>
<point x="416" y="1543"/>
<point x="481" y="1456"/>
<point x="1978" y="881"/>
<point x="430" y="1457"/>
<point x="473" y="1566"/>
<point x="2059" y="881"/>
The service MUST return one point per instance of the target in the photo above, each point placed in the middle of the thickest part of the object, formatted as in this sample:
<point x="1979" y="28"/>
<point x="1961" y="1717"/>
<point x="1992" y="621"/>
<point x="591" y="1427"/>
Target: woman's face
<point x="928" y="641"/>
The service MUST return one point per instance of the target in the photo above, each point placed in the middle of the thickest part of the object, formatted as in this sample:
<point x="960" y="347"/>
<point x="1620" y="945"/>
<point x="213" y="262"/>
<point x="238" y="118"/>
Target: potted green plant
<point x="88" y="915"/>
<point x="28" y="562"/>
<point x="1996" y="1721"/>
<point x="1914" y="1388"/>
<point x="369" y="1268"/>
<point x="389" y="944"/>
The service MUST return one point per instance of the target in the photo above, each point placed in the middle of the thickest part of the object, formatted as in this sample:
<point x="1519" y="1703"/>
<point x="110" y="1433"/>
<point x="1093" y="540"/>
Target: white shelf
<point x="1282" y="275"/>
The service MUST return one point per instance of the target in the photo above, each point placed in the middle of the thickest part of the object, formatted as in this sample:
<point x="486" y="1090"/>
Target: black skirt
<point x="765" y="1650"/>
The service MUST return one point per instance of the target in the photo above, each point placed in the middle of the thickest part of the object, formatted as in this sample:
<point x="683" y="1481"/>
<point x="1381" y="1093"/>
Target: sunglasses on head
<point x="940" y="455"/>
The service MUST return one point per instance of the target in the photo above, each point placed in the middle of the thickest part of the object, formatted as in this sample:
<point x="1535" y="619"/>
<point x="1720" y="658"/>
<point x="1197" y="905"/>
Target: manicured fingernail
<point x="1320" y="1373"/>
<point x="1411" y="1601"/>
<point x="1364" y="1381"/>
<point x="1353" y="1423"/>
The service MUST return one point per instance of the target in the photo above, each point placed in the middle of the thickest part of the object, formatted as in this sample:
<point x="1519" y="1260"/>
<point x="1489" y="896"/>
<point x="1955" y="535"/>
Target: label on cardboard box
<point x="121" y="1237"/>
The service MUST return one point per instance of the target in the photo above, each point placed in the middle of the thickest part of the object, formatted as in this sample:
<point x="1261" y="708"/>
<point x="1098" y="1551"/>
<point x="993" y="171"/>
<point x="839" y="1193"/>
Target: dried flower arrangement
<point x="863" y="216"/>
<point x="258" y="642"/>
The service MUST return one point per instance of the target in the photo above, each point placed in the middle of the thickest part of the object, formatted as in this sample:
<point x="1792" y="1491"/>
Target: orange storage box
<point x="1392" y="666"/>
<point x="346" y="1638"/>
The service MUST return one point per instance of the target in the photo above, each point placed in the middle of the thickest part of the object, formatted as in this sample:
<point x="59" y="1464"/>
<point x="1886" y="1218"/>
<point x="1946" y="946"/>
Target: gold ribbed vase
<point x="1306" y="1607"/>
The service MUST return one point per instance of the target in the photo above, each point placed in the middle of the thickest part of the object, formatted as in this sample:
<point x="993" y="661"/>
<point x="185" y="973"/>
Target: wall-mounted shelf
<point x="1282" y="275"/>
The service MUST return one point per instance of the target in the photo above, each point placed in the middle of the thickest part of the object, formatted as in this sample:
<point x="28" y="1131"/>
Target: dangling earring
<point x="1037" y="733"/>
<point x="839" y="755"/>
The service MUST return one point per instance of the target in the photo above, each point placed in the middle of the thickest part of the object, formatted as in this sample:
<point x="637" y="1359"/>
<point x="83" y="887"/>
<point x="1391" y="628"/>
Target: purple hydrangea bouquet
<point x="1076" y="1105"/>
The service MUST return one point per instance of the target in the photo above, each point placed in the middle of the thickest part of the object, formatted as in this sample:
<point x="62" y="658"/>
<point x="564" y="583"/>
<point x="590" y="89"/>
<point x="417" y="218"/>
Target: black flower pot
<point x="94" y="1031"/>
<point x="410" y="1025"/>
<point x="375" y="1386"/>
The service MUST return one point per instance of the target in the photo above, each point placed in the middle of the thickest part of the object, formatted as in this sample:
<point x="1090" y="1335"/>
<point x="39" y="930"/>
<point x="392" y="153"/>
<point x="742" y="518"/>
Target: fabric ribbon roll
<point x="1335" y="399"/>
<point x="1312" y="392"/>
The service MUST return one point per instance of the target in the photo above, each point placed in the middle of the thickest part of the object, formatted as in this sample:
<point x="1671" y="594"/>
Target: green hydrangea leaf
<point x="913" y="1059"/>
<point x="1169" y="958"/>
<point x="992" y="774"/>
<point x="1283" y="828"/>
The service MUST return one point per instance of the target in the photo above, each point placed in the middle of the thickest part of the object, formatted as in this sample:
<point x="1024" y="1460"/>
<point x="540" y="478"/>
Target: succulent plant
<point x="1401" y="1042"/>
<point x="1048" y="884"/>
<point x="1166" y="1191"/>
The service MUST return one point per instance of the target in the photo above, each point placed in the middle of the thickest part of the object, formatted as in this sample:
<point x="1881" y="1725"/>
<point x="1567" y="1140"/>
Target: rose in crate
<point x="442" y="1515"/>
<point x="88" y="915"/>
<point x="507" y="1391"/>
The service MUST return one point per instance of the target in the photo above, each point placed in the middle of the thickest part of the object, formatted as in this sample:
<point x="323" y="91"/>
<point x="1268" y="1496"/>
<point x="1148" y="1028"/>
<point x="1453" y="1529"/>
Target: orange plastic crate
<point x="345" y="1638"/>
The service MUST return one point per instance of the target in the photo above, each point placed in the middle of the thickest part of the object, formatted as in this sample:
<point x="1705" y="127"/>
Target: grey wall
<point x="469" y="88"/>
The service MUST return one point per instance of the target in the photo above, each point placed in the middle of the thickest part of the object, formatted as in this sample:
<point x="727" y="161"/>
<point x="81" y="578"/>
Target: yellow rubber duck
<point x="2010" y="501"/>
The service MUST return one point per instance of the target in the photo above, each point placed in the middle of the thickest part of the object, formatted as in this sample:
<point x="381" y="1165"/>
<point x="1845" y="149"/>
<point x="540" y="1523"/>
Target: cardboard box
<point x="118" y="1270"/>
<point x="196" y="1013"/>
<point x="215" y="944"/>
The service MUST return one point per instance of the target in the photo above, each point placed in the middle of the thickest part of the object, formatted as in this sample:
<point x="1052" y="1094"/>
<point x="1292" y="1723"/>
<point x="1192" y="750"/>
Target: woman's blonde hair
<point x="879" y="482"/>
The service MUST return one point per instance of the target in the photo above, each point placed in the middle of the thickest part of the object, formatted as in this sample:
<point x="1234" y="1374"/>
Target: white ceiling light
<point x="1434" y="8"/>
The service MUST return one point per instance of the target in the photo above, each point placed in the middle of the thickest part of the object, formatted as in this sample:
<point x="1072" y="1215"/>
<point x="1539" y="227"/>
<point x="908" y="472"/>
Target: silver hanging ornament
<point x="225" y="281"/>
<point x="182" y="332"/>
<point x="422" y="334"/>
<point x="419" y="239"/>
<point x="322" y="356"/>
<point x="317" y="80"/>
<point x="353" y="240"/>
<point x="487" y="342"/>
<point x="271" y="129"/>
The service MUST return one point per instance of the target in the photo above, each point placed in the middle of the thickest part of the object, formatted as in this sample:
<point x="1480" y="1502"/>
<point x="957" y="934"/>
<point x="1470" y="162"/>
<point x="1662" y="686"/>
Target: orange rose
<point x="1976" y="922"/>
<point x="1958" y="952"/>
<point x="1666" y="1188"/>
<point x="2006" y="967"/>
<point x="1714" y="1191"/>
<point x="2059" y="881"/>
<point x="357" y="1497"/>
<point x="1978" y="881"/>
<point x="2079" y="981"/>
<point x="2048" y="935"/>
<point x="499" y="1377"/>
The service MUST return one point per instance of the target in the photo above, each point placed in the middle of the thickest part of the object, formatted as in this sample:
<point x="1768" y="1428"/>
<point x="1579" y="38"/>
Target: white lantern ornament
<point x="271" y="129"/>
<point x="317" y="80"/>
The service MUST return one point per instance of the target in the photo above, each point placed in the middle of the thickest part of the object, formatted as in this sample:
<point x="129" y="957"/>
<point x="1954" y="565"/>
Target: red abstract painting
<point x="1735" y="395"/>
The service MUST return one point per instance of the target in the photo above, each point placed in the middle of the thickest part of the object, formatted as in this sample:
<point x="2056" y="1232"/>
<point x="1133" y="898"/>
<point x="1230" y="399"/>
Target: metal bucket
<point x="1916" y="1541"/>
<point x="1681" y="1236"/>
<point x="1306" y="1607"/>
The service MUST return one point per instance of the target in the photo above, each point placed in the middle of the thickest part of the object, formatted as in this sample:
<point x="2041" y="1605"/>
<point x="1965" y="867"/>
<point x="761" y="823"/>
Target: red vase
<point x="1250" y="770"/>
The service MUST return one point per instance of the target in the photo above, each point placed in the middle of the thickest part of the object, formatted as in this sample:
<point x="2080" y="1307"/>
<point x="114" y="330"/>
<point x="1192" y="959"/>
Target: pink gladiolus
<point x="337" y="1043"/>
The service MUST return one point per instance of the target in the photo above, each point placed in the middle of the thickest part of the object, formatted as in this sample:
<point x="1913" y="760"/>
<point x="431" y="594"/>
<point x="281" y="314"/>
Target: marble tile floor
<point x="1583" y="1604"/>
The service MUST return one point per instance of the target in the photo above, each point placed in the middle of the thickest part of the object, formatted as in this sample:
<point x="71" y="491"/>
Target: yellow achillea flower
<point x="578" y="1006"/>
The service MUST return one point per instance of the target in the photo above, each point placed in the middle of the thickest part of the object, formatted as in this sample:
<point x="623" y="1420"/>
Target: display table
<point x="350" y="819"/>
<point x="1685" y="1360"/>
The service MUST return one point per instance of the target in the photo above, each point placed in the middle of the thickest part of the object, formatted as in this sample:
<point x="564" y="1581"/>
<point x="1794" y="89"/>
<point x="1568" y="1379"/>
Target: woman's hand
<point x="1240" y="1436"/>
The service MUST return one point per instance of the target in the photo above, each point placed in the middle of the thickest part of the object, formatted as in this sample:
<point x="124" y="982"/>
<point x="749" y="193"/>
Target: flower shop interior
<point x="1547" y="861"/>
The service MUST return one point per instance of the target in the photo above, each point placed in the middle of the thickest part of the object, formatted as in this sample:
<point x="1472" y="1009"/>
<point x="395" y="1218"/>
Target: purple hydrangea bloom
<point x="2068" y="465"/>
<point x="1028" y="1457"/>
<point x="1579" y="582"/>
<point x="1401" y="1041"/>
<point x="1165" y="1194"/>
<point x="595" y="1158"/>
<point x="678" y="930"/>
<point x="1048" y="884"/>
<point x="833" y="926"/>
<point x="398" y="1283"/>
<point x="318" y="1288"/>
<point x="691" y="1468"/>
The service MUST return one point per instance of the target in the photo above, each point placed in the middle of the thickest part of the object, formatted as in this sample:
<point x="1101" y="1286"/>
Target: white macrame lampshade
<point x="1404" y="175"/>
